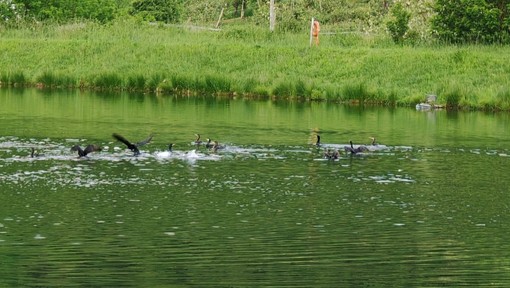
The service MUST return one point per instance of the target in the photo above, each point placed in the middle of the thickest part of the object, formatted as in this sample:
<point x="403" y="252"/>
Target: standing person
<point x="316" y="28"/>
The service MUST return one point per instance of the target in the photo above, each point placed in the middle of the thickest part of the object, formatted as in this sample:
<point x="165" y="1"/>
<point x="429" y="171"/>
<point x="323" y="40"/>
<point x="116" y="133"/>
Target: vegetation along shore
<point x="242" y="59"/>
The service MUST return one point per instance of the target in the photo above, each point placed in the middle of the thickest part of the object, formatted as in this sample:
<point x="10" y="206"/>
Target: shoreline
<point x="252" y="63"/>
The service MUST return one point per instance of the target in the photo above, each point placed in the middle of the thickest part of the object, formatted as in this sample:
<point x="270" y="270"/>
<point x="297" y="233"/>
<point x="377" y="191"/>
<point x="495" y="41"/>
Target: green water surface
<point x="430" y="208"/>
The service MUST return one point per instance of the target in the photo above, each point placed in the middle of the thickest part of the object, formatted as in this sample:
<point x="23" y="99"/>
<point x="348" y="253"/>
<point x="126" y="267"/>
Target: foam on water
<point x="58" y="166"/>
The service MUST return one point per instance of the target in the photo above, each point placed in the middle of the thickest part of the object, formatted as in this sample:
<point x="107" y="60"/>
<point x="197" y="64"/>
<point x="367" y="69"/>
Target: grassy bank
<point x="247" y="61"/>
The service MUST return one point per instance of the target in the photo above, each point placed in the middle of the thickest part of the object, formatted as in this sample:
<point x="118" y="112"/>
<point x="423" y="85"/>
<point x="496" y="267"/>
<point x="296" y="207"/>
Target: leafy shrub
<point x="467" y="21"/>
<point x="10" y="12"/>
<point x="399" y="25"/>
<point x="68" y="10"/>
<point x="167" y="11"/>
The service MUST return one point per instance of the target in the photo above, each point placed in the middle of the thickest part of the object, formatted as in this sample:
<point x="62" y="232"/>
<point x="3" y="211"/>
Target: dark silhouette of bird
<point x="216" y="146"/>
<point x="132" y="146"/>
<point x="34" y="153"/>
<point x="198" y="141"/>
<point x="209" y="143"/>
<point x="331" y="155"/>
<point x="318" y="143"/>
<point x="352" y="150"/>
<point x="83" y="152"/>
<point x="167" y="153"/>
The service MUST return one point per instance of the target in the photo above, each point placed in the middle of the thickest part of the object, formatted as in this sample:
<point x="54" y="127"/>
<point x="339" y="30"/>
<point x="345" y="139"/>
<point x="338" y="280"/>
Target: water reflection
<point x="267" y="210"/>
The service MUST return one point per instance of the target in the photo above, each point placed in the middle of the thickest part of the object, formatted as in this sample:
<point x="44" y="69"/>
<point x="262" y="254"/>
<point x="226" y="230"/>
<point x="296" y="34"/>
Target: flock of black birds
<point x="213" y="146"/>
<point x="335" y="154"/>
<point x="134" y="147"/>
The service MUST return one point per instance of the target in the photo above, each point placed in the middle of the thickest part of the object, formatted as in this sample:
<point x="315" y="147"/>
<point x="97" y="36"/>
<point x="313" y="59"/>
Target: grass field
<point x="248" y="61"/>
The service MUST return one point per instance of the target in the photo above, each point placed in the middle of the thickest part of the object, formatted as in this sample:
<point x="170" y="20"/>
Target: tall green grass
<point x="50" y="79"/>
<point x="13" y="78"/>
<point x="246" y="60"/>
<point x="108" y="81"/>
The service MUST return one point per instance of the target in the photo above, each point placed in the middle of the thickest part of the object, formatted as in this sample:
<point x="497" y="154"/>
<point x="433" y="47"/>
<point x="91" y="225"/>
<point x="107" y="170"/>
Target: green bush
<point x="399" y="25"/>
<point x="167" y="11"/>
<point x="10" y="12"/>
<point x="467" y="21"/>
<point x="70" y="10"/>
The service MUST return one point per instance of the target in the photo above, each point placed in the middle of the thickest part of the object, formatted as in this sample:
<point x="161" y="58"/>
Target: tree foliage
<point x="469" y="21"/>
<point x="399" y="25"/>
<point x="167" y="11"/>
<point x="9" y="11"/>
<point x="68" y="10"/>
<point x="454" y="21"/>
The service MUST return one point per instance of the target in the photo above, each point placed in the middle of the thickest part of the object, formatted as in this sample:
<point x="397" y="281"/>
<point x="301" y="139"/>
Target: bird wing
<point x="362" y="148"/>
<point x="141" y="143"/>
<point x="76" y="148"/>
<point x="91" y="148"/>
<point x="123" y="140"/>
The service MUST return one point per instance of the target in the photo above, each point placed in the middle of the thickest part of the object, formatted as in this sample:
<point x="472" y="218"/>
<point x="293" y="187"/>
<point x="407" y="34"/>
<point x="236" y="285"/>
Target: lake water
<point x="427" y="207"/>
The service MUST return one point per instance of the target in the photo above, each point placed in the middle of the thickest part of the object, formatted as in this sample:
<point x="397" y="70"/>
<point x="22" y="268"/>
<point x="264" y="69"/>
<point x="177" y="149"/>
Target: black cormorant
<point x="318" y="143"/>
<point x="132" y="146"/>
<point x="89" y="149"/>
<point x="209" y="143"/>
<point x="34" y="153"/>
<point x="216" y="146"/>
<point x="198" y="141"/>
<point x="331" y="155"/>
<point x="353" y="150"/>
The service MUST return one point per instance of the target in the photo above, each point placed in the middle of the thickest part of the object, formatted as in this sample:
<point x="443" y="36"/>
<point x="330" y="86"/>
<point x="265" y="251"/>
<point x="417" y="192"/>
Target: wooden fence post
<point x="311" y="32"/>
<point x="272" y="16"/>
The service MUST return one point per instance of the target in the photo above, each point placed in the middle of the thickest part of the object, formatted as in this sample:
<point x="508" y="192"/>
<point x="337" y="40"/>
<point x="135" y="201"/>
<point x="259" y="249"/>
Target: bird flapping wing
<point x="122" y="139"/>
<point x="91" y="148"/>
<point x="76" y="148"/>
<point x="141" y="143"/>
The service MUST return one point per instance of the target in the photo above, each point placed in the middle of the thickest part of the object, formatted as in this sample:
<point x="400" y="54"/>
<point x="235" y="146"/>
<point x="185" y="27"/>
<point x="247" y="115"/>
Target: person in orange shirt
<point x="315" y="31"/>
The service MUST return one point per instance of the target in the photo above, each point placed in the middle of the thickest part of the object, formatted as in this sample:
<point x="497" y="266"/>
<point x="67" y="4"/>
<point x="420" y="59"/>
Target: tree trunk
<point x="242" y="10"/>
<point x="221" y="16"/>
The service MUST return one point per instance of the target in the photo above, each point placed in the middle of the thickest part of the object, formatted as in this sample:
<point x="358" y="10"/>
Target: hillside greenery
<point x="245" y="61"/>
<point x="452" y="21"/>
<point x="374" y="52"/>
